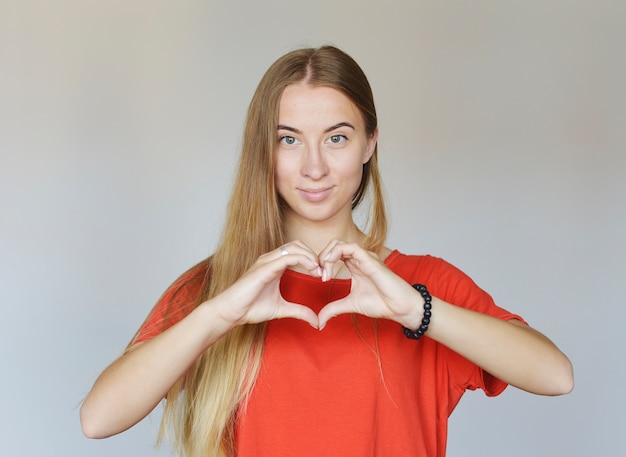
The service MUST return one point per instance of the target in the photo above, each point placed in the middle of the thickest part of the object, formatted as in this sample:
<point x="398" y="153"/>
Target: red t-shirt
<point x="353" y="389"/>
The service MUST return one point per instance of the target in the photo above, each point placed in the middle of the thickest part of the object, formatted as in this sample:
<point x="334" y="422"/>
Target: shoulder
<point x="191" y="280"/>
<point x="442" y="279"/>
<point x="176" y="302"/>
<point x="425" y="265"/>
<point x="182" y="294"/>
<point x="447" y="282"/>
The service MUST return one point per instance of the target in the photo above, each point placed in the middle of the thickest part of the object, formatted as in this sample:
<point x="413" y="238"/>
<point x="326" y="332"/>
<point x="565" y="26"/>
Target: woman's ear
<point x="371" y="146"/>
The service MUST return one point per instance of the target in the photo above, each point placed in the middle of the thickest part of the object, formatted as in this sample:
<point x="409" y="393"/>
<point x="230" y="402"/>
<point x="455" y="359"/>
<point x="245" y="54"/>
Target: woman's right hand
<point x="256" y="296"/>
<point x="129" y="388"/>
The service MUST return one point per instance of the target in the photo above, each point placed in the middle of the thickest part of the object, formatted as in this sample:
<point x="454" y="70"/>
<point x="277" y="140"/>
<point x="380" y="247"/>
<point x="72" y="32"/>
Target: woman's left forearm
<point x="509" y="350"/>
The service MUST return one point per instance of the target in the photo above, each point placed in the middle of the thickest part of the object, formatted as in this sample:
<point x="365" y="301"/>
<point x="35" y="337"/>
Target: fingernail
<point x="322" y="327"/>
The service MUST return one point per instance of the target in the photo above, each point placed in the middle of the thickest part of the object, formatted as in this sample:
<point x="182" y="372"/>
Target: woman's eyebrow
<point x="336" y="126"/>
<point x="329" y="129"/>
<point x="286" y="127"/>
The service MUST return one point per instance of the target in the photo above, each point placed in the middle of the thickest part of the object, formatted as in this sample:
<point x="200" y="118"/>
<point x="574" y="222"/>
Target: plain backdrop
<point x="502" y="143"/>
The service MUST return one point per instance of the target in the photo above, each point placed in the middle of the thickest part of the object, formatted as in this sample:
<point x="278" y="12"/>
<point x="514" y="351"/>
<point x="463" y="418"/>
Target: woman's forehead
<point x="320" y="106"/>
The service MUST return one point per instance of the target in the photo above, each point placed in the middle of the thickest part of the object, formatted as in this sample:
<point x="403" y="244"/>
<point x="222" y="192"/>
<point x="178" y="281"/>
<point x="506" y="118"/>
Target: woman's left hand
<point x="376" y="291"/>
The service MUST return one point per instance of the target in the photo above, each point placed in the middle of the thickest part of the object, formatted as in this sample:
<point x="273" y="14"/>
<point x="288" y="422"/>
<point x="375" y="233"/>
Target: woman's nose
<point x="314" y="164"/>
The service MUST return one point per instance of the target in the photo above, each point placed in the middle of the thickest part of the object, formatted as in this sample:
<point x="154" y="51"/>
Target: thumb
<point x="301" y="312"/>
<point x="333" y="309"/>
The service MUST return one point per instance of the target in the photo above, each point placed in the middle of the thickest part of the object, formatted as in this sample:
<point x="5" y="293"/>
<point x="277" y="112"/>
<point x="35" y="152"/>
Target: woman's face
<point x="322" y="146"/>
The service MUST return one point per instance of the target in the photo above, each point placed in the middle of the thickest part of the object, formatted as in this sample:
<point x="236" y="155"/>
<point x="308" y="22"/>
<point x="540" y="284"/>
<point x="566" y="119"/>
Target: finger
<point x="353" y="256"/>
<point x="328" y="262"/>
<point x="291" y="248"/>
<point x="280" y="264"/>
<point x="297" y="311"/>
<point x="364" y="262"/>
<point x="342" y="250"/>
<point x="333" y="309"/>
<point x="298" y="248"/>
<point x="331" y="244"/>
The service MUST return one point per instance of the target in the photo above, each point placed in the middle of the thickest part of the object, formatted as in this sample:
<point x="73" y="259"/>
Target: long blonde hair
<point x="201" y="409"/>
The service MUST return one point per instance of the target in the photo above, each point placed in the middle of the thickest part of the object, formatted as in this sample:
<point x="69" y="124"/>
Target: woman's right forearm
<point x="130" y="388"/>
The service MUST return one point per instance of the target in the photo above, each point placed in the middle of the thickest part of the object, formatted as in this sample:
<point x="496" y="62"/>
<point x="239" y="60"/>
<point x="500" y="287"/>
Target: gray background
<point x="502" y="143"/>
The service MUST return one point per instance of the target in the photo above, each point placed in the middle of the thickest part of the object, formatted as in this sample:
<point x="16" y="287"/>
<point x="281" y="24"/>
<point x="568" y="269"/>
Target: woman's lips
<point x="316" y="194"/>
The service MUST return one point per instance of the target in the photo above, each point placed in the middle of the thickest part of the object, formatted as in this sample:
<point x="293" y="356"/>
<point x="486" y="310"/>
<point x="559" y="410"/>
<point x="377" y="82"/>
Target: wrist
<point x="417" y="330"/>
<point x="413" y="318"/>
<point x="215" y="313"/>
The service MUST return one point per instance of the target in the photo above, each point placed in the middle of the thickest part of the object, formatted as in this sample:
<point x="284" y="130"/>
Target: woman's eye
<point x="337" y="139"/>
<point x="288" y="140"/>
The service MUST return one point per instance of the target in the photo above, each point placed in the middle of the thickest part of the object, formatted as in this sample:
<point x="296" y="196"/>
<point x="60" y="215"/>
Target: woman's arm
<point x="509" y="350"/>
<point x="130" y="388"/>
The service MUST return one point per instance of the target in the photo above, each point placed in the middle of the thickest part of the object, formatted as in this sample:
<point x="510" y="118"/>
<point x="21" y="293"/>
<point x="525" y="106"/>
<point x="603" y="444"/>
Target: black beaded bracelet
<point x="417" y="334"/>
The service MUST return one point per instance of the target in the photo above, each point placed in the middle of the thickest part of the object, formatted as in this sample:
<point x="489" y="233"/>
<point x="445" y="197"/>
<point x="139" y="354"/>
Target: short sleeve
<point x="451" y="285"/>
<point x="175" y="303"/>
<point x="457" y="288"/>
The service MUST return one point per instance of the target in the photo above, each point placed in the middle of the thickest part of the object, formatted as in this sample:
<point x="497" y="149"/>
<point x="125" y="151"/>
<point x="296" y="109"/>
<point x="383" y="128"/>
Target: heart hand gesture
<point x="375" y="291"/>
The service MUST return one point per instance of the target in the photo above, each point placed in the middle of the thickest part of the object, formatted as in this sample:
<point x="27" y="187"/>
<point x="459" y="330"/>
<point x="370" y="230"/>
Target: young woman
<point x="302" y="334"/>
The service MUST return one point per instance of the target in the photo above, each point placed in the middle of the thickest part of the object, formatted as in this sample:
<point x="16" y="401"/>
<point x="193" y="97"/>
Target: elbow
<point x="562" y="381"/>
<point x="91" y="432"/>
<point x="567" y="380"/>
<point x="552" y="377"/>
<point x="90" y="423"/>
